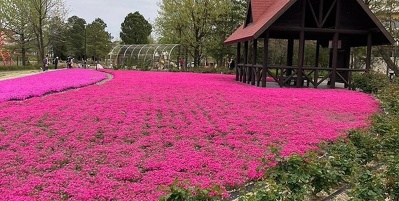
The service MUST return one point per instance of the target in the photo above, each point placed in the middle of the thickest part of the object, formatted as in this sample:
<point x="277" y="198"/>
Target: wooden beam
<point x="303" y="14"/>
<point x="338" y="15"/>
<point x="313" y="13"/>
<point x="328" y="13"/>
<point x="254" y="58"/>
<point x="265" y="58"/>
<point x="369" y="49"/>
<point x="238" y="60"/>
<point x="321" y="30"/>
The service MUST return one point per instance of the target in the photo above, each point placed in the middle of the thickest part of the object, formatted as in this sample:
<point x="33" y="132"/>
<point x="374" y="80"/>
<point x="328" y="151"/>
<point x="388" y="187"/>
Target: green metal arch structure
<point x="149" y="56"/>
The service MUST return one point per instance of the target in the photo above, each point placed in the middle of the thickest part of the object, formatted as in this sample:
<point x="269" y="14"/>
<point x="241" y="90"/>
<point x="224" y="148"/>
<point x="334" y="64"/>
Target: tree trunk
<point x="196" y="57"/>
<point x="23" y="50"/>
<point x="390" y="64"/>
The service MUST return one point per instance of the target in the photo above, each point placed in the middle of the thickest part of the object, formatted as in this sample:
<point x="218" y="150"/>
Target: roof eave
<point x="239" y="40"/>
<point x="274" y="18"/>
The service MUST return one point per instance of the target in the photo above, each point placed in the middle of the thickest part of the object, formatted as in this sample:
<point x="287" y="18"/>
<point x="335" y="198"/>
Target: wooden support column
<point x="238" y="60"/>
<point x="301" y="58"/>
<point x="334" y="61"/>
<point x="316" y="72"/>
<point x="245" y="62"/>
<point x="301" y="52"/>
<point x="317" y="54"/>
<point x="290" y="55"/>
<point x="335" y="45"/>
<point x="369" y="49"/>
<point x="265" y="58"/>
<point x="321" y="14"/>
<point x="254" y="58"/>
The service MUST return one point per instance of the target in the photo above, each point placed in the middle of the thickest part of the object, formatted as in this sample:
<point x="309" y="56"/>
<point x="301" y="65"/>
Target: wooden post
<point x="301" y="58"/>
<point x="335" y="45"/>
<point x="290" y="55"/>
<point x="265" y="58"/>
<point x="317" y="54"/>
<point x="316" y="72"/>
<point x="238" y="60"/>
<point x="254" y="58"/>
<point x="321" y="13"/>
<point x="369" y="49"/>
<point x="245" y="62"/>
<point x="301" y="52"/>
<point x="334" y="61"/>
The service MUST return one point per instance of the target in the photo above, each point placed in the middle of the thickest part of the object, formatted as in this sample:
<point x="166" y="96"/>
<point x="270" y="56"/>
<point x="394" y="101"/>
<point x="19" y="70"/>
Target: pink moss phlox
<point x="47" y="82"/>
<point x="141" y="131"/>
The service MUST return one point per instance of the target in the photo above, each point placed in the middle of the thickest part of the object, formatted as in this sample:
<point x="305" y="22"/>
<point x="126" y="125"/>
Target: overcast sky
<point x="113" y="12"/>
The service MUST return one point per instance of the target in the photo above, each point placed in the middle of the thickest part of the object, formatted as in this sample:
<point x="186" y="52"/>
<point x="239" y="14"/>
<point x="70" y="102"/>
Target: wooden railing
<point x="252" y="74"/>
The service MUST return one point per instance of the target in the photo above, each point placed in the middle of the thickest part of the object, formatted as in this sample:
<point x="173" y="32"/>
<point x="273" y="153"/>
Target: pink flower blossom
<point x="47" y="82"/>
<point x="130" y="137"/>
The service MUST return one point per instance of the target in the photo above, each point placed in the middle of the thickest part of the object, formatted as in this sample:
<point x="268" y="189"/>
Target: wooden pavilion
<point x="335" y="24"/>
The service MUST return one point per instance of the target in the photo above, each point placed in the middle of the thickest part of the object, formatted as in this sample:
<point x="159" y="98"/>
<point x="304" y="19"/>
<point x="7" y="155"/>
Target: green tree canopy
<point x="98" y="40"/>
<point x="29" y="20"/>
<point x="135" y="29"/>
<point x="200" y="26"/>
<point x="75" y="37"/>
<point x="57" y="37"/>
<point x="40" y="13"/>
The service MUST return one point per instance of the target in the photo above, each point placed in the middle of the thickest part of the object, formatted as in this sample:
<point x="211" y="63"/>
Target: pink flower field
<point x="131" y="137"/>
<point x="47" y="82"/>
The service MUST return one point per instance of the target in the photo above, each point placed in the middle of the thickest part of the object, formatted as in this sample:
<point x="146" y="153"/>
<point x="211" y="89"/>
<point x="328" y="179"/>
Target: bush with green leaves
<point x="369" y="82"/>
<point x="179" y="191"/>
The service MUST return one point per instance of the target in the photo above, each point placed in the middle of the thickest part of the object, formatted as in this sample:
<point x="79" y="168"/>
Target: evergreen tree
<point x="135" y="29"/>
<point x="75" y="37"/>
<point x="98" y="40"/>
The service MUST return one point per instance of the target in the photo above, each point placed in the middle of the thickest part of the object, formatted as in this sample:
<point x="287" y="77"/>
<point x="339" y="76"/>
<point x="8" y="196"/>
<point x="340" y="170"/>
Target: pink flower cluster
<point x="136" y="134"/>
<point x="47" y="82"/>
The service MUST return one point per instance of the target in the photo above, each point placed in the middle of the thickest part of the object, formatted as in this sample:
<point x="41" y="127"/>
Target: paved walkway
<point x="5" y="75"/>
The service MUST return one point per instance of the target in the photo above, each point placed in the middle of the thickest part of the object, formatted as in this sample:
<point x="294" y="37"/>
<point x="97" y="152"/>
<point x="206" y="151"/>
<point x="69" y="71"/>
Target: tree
<point x="98" y="40"/>
<point x="57" y="37"/>
<point x="385" y="10"/>
<point x="75" y="37"/>
<point x="191" y="23"/>
<point x="30" y="20"/>
<point x="40" y="12"/>
<point x="135" y="29"/>
<point x="15" y="20"/>
<point x="227" y="23"/>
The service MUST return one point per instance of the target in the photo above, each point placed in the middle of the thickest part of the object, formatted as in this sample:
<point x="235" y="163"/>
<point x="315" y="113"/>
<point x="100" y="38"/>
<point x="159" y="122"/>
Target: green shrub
<point x="370" y="82"/>
<point x="176" y="192"/>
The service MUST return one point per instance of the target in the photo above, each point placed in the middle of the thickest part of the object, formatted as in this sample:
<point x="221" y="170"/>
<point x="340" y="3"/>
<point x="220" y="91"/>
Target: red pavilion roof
<point x="264" y="13"/>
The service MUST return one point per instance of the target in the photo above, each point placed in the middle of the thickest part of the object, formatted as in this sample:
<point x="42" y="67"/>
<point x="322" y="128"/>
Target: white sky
<point x="112" y="12"/>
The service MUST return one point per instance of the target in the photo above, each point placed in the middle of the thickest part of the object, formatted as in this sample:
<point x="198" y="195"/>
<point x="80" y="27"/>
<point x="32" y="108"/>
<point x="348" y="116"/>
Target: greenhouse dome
<point x="147" y="56"/>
